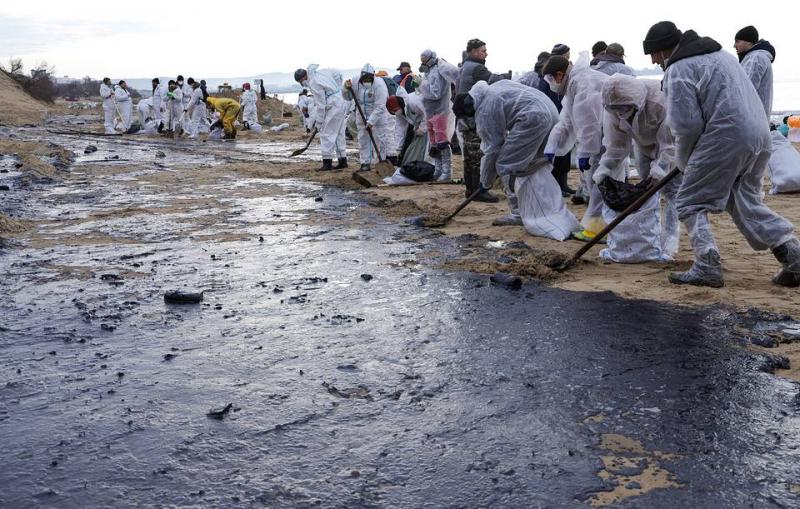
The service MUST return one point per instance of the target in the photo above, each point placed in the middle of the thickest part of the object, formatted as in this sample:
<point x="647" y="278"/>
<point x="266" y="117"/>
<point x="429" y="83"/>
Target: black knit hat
<point x="662" y="35"/>
<point x="599" y="47"/>
<point x="560" y="49"/>
<point x="748" y="33"/>
<point x="474" y="44"/>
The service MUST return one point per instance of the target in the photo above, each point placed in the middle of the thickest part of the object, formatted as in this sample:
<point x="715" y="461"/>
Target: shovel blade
<point x="362" y="180"/>
<point x="298" y="151"/>
<point x="384" y="169"/>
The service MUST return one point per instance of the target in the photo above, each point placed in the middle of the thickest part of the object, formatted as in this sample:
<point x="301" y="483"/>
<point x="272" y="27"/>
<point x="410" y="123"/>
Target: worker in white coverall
<point x="197" y="112"/>
<point x="124" y="104"/>
<point x="173" y="100"/>
<point x="581" y="122"/>
<point x="635" y="111"/>
<point x="438" y="78"/>
<point x="109" y="110"/>
<point x="145" y="109"/>
<point x="756" y="56"/>
<point x="411" y="128"/>
<point x="186" y="91"/>
<point x="248" y="101"/>
<point x="158" y="107"/>
<point x="305" y="104"/>
<point x="329" y="112"/>
<point x="371" y="94"/>
<point x="513" y="122"/>
<point x="722" y="145"/>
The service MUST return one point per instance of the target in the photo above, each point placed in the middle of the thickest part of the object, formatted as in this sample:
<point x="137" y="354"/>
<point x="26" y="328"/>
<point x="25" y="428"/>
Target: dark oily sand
<point x="417" y="389"/>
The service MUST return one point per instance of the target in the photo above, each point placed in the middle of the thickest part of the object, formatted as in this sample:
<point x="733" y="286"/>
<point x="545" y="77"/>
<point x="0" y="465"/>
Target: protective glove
<point x="600" y="174"/>
<point x="419" y="131"/>
<point x="657" y="172"/>
<point x="170" y="95"/>
<point x="550" y="157"/>
<point x="348" y="84"/>
<point x="369" y="127"/>
<point x="186" y="111"/>
<point x="583" y="164"/>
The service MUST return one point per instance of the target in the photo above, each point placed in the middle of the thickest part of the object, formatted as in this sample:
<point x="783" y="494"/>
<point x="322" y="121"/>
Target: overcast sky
<point x="231" y="39"/>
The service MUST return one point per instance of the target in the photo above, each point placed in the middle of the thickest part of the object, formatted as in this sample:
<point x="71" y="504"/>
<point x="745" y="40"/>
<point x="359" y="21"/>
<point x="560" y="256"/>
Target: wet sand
<point x="358" y="363"/>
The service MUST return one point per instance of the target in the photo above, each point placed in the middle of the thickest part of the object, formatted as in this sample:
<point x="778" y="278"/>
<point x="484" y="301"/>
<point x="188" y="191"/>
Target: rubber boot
<point x="788" y="254"/>
<point x="707" y="268"/>
<point x="508" y="220"/>
<point x="341" y="164"/>
<point x="437" y="166"/>
<point x="447" y="165"/>
<point x="705" y="271"/>
<point x="327" y="165"/>
<point x="365" y="167"/>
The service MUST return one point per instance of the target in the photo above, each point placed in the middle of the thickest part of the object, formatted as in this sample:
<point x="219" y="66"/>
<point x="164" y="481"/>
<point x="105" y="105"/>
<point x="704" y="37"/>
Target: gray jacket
<point x="473" y="71"/>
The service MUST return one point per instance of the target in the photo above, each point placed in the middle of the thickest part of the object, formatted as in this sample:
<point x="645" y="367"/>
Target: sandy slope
<point x="16" y="106"/>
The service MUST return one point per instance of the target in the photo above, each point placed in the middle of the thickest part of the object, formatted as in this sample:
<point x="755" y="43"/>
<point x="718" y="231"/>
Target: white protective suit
<point x="513" y="121"/>
<point x="158" y="103"/>
<point x="109" y="110"/>
<point x="722" y="145"/>
<point x="173" y="106"/>
<point x="530" y="79"/>
<point x="248" y="101"/>
<point x="757" y="63"/>
<point x="305" y="102"/>
<point x="435" y="93"/>
<point x="198" y="114"/>
<point x="329" y="110"/>
<point x="145" y="109"/>
<point x="125" y="105"/>
<point x="581" y="122"/>
<point x="372" y="99"/>
<point x="413" y="117"/>
<point x="624" y="96"/>
<point x="186" y="95"/>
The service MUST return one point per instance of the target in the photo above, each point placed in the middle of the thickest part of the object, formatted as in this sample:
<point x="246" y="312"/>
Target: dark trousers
<point x="471" y="152"/>
<point x="561" y="167"/>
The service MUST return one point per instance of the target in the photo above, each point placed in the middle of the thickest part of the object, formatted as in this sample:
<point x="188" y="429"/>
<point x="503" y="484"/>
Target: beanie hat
<point x="560" y="49"/>
<point x="748" y="33"/>
<point x="662" y="35"/>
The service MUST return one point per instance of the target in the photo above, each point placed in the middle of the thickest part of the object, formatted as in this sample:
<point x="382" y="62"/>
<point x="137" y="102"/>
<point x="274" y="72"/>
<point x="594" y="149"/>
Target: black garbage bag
<point x="620" y="195"/>
<point x="419" y="171"/>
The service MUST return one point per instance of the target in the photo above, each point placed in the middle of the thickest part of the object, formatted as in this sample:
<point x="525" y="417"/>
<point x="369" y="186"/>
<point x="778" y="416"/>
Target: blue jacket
<point x="543" y="86"/>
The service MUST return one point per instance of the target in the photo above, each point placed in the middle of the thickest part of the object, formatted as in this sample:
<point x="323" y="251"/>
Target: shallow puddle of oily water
<point x="322" y="368"/>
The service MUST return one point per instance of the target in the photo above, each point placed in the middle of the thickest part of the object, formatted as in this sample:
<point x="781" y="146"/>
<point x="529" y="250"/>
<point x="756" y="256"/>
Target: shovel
<point x="438" y="224"/>
<point x="384" y="168"/>
<point x="310" y="139"/>
<point x="633" y="207"/>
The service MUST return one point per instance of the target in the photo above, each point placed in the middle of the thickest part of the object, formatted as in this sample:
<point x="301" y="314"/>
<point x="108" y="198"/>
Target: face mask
<point x="304" y="83"/>
<point x="424" y="68"/>
<point x="180" y="83"/>
<point x="367" y="84"/>
<point x="557" y="88"/>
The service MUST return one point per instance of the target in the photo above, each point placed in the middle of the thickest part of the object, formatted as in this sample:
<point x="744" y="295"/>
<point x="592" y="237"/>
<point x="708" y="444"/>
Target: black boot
<point x="393" y="160"/>
<point x="342" y="163"/>
<point x="365" y="167"/>
<point x="788" y="254"/>
<point x="327" y="165"/>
